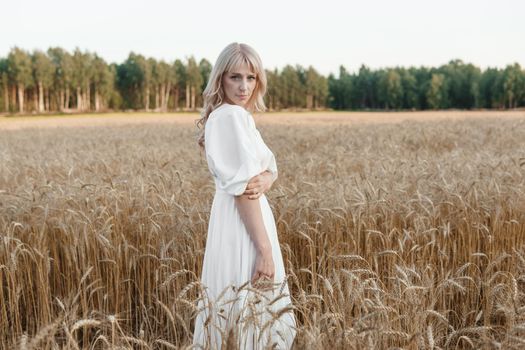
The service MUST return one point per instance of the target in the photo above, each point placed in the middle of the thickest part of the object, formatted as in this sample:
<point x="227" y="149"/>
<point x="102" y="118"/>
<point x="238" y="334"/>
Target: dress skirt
<point x="230" y="306"/>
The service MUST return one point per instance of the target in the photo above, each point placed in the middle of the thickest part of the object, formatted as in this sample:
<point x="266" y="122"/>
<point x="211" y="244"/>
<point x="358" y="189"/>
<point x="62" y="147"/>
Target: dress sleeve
<point x="231" y="150"/>
<point x="272" y="168"/>
<point x="269" y="163"/>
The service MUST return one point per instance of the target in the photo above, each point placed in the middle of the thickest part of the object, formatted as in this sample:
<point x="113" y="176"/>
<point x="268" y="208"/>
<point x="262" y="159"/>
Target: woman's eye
<point x="236" y="77"/>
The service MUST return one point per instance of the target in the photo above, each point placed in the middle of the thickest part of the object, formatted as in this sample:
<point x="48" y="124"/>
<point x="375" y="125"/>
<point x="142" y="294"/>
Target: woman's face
<point x="238" y="85"/>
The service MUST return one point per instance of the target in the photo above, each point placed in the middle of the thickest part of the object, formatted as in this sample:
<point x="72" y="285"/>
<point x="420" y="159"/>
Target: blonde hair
<point x="232" y="56"/>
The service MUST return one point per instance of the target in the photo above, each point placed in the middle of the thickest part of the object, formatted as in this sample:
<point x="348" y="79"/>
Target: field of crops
<point x="398" y="230"/>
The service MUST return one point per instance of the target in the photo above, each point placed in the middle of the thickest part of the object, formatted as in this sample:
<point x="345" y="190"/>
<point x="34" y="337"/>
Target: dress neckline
<point x="232" y="105"/>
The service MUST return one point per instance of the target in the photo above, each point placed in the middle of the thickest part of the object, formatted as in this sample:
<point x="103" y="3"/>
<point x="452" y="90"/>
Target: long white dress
<point x="235" y="152"/>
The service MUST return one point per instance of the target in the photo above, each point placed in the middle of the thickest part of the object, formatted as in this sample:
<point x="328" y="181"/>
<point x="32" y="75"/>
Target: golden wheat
<point x="395" y="233"/>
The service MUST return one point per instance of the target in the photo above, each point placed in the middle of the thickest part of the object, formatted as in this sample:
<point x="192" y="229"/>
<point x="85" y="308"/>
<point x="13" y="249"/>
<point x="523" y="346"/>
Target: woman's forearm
<point x="251" y="215"/>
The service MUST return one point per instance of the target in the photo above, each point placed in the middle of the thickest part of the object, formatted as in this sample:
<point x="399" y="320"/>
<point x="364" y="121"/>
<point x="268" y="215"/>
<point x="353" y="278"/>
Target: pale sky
<point x="324" y="34"/>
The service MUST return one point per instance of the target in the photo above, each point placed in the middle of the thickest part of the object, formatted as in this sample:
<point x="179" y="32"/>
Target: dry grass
<point x="395" y="235"/>
<point x="310" y="118"/>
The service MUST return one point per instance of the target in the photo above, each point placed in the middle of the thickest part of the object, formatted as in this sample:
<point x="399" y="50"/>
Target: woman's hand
<point x="258" y="185"/>
<point x="264" y="270"/>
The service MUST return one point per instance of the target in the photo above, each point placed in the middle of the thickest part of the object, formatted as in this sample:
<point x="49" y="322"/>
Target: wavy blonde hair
<point x="232" y="57"/>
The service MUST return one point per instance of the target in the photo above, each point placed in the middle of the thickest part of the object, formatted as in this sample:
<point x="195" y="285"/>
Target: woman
<point x="245" y="299"/>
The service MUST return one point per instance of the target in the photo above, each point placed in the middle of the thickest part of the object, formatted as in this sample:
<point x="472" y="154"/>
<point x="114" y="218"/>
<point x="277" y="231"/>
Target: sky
<point x="324" y="34"/>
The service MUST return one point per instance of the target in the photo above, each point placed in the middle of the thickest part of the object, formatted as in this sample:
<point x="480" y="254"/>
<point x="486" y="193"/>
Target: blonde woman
<point x="245" y="301"/>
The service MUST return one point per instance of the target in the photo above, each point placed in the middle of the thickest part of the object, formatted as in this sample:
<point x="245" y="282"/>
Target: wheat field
<point x="398" y="230"/>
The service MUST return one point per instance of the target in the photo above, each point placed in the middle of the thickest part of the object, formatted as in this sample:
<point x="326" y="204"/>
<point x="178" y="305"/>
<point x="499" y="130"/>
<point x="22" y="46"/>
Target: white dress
<point x="235" y="152"/>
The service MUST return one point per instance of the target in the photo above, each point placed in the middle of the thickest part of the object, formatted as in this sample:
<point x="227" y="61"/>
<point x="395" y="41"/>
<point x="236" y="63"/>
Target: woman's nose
<point x="243" y="85"/>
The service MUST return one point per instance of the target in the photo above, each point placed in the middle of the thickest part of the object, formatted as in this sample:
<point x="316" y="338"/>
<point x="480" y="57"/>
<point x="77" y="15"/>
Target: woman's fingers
<point x="253" y="189"/>
<point x="255" y="185"/>
<point x="263" y="283"/>
<point x="258" y="276"/>
<point x="255" y="193"/>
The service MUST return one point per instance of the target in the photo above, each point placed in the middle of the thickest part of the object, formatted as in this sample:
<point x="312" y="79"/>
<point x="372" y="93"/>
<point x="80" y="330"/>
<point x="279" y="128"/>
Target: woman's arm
<point x="251" y="215"/>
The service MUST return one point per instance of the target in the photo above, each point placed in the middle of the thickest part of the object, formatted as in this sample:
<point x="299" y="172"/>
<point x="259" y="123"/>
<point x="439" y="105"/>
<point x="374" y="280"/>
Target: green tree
<point x="81" y="78"/>
<point x="392" y="89"/>
<point x="63" y="74"/>
<point x="103" y="80"/>
<point x="310" y="82"/>
<point x="4" y="84"/>
<point x="205" y="68"/>
<point x="423" y="76"/>
<point x="513" y="85"/>
<point x="164" y="79"/>
<point x="365" y="83"/>
<point x="341" y="90"/>
<point x="43" y="74"/>
<point x="180" y="72"/>
<point x="114" y="99"/>
<point x="410" y="89"/>
<point x="154" y="81"/>
<point x="147" y="68"/>
<point x="320" y="92"/>
<point x="437" y="91"/>
<point x="20" y="71"/>
<point x="274" y="90"/>
<point x="291" y="84"/>
<point x="193" y="83"/>
<point x="462" y="81"/>
<point x="131" y="80"/>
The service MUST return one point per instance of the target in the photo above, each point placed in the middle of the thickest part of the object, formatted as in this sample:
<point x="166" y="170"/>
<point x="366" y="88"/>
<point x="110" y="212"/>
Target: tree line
<point x="60" y="81"/>
<point x="455" y="85"/>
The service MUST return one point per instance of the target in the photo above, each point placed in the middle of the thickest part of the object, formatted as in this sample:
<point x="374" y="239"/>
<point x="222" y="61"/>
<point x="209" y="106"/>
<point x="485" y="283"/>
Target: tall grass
<point x="407" y="235"/>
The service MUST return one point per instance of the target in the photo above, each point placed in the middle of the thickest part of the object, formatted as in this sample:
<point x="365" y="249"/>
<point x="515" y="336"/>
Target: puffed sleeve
<point x="231" y="150"/>
<point x="269" y="162"/>
<point x="272" y="167"/>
